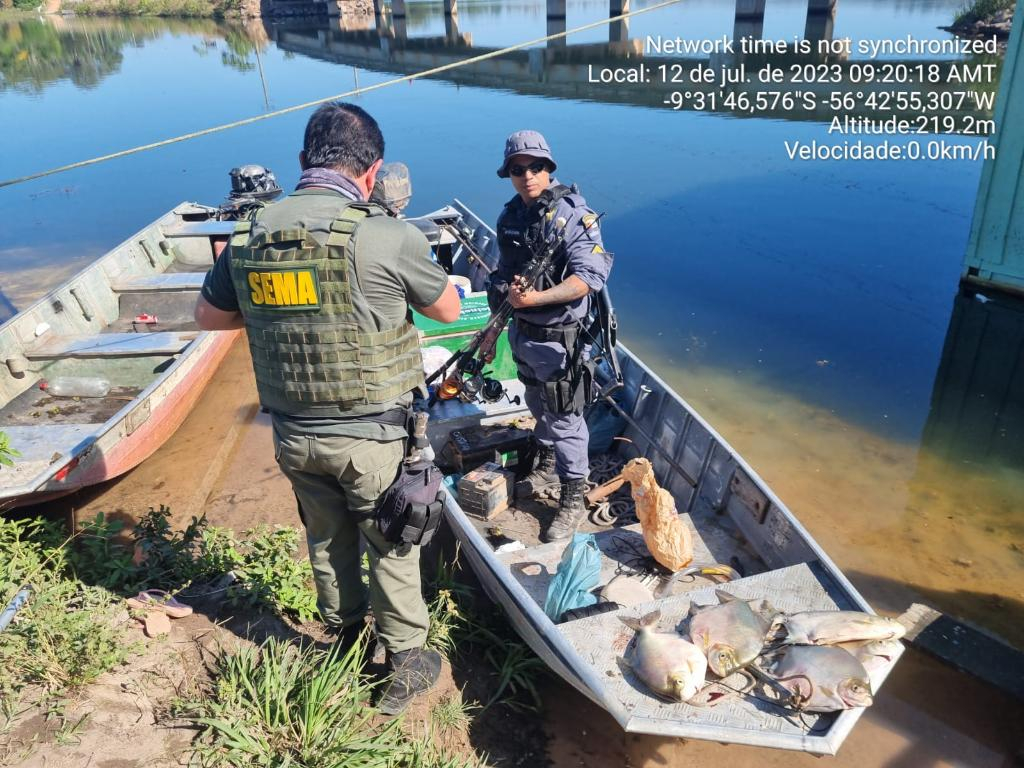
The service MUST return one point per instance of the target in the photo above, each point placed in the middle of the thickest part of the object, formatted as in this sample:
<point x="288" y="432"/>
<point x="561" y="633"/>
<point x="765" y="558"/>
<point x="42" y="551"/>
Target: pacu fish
<point x="832" y="627"/>
<point x="730" y="634"/>
<point x="820" y="679"/>
<point x="664" y="661"/>
<point x="876" y="656"/>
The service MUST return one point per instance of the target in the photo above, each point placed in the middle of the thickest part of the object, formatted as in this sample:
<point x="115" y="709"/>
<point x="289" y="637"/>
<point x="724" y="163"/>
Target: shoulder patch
<point x="588" y="220"/>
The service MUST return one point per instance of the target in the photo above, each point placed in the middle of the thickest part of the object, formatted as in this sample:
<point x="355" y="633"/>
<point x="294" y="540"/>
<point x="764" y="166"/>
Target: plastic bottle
<point x="76" y="386"/>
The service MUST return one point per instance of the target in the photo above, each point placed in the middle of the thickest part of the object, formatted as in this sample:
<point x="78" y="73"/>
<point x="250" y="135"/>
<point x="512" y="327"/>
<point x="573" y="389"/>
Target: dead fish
<point x="664" y="661"/>
<point x="832" y="627"/>
<point x="820" y="679"/>
<point x="730" y="634"/>
<point x="876" y="656"/>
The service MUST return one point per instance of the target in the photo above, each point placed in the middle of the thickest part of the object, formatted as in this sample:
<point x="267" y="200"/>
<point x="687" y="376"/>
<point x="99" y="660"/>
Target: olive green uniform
<point x="323" y="396"/>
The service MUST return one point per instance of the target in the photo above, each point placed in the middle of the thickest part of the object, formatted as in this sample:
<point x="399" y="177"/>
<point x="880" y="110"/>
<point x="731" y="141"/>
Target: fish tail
<point x="631" y="622"/>
<point x="650" y="619"/>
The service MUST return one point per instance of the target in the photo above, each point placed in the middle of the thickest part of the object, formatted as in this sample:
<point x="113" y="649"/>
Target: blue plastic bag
<point x="577" y="574"/>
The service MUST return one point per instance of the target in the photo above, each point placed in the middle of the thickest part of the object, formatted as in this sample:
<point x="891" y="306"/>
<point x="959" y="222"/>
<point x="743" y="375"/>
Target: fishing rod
<point x="469" y="360"/>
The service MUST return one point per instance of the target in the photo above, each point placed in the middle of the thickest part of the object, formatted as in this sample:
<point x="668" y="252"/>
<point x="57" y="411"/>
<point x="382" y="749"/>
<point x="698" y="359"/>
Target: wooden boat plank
<point x="111" y="345"/>
<point x="168" y="281"/>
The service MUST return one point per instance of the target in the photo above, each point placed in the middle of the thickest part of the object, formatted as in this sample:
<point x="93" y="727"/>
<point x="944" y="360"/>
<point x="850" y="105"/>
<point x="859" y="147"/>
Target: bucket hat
<point x="526" y="143"/>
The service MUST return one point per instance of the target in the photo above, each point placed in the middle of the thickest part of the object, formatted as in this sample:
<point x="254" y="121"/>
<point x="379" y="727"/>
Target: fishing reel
<point x="470" y="385"/>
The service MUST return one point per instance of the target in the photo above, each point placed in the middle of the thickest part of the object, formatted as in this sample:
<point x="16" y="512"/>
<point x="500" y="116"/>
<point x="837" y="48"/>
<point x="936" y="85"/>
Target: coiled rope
<point x="318" y="102"/>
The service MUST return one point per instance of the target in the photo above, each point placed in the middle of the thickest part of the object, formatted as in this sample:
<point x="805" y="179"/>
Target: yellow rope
<point x="317" y="102"/>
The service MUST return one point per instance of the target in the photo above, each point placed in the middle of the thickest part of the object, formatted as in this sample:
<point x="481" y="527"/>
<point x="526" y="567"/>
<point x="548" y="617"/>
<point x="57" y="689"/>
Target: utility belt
<point x="574" y="390"/>
<point x="566" y="335"/>
<point x="395" y="417"/>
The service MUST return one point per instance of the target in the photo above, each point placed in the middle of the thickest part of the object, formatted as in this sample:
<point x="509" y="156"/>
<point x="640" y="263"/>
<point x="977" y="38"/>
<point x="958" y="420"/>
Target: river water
<point x="802" y="307"/>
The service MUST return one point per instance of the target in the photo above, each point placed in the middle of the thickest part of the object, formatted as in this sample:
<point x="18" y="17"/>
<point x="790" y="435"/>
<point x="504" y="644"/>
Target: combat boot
<point x="542" y="477"/>
<point x="572" y="508"/>
<point x="342" y="639"/>
<point x="412" y="672"/>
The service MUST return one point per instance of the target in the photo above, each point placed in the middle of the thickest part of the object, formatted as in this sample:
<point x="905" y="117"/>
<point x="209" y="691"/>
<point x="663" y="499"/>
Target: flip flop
<point x="156" y="623"/>
<point x="158" y="600"/>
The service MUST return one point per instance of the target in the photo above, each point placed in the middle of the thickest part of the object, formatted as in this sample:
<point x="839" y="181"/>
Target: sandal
<point x="159" y="600"/>
<point x="156" y="623"/>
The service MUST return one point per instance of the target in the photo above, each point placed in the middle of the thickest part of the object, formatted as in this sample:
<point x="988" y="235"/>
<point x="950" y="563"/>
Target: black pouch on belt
<point x="410" y="510"/>
<point x="573" y="393"/>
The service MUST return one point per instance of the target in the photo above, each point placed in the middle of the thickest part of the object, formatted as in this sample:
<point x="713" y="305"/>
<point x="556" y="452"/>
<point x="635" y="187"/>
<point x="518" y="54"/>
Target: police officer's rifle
<point x="469" y="360"/>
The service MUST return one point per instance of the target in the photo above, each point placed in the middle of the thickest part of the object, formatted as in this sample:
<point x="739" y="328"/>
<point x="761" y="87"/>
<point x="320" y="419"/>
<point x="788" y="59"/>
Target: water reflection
<point x="977" y="404"/>
<point x="35" y="53"/>
<point x="563" y="69"/>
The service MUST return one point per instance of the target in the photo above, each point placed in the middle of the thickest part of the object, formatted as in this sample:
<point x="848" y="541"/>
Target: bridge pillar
<point x="749" y="19"/>
<point x="450" y="8"/>
<point x="820" y="26"/>
<point x="995" y="250"/>
<point x="398" y="19"/>
<point x="821" y="6"/>
<point x="618" y="31"/>
<point x="378" y="18"/>
<point x="451" y="24"/>
<point x="556" y="22"/>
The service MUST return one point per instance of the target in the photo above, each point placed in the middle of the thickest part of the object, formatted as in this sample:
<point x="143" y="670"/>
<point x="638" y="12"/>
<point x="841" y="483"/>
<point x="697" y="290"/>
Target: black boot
<point x="572" y="508"/>
<point x="542" y="477"/>
<point x="412" y="672"/>
<point x="342" y="639"/>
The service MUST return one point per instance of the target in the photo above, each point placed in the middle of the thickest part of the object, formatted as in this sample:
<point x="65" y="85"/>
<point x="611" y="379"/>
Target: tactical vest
<point x="519" y="236"/>
<point x="297" y="297"/>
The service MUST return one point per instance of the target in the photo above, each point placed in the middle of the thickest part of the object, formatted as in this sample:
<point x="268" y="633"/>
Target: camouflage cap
<point x="526" y="143"/>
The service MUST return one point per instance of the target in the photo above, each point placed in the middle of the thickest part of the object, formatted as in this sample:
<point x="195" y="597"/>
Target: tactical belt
<point x="566" y="335"/>
<point x="395" y="417"/>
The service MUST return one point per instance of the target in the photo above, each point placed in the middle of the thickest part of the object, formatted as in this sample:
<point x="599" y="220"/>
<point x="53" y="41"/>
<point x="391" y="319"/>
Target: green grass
<point x="456" y="622"/>
<point x="279" y="706"/>
<point x="65" y="636"/>
<point x="980" y="10"/>
<point x="266" y="573"/>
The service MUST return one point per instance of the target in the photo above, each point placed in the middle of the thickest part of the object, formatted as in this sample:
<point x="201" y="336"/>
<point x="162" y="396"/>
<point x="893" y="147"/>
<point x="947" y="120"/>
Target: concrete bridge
<point x="380" y="41"/>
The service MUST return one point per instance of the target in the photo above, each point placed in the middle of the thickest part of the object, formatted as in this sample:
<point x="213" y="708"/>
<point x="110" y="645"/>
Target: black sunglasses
<point x="534" y="168"/>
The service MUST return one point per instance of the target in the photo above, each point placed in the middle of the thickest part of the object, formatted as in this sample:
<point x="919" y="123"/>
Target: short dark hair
<point x="343" y="136"/>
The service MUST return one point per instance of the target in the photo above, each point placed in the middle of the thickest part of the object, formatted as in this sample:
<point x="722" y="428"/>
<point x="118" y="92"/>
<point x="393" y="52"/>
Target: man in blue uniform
<point x="548" y="330"/>
<point x="322" y="282"/>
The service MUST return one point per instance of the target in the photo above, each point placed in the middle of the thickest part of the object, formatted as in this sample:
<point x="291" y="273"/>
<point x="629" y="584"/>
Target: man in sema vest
<point x="322" y="282"/>
<point x="549" y="329"/>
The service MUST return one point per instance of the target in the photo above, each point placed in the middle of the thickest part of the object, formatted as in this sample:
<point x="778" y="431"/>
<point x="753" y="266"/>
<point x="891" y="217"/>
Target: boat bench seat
<point x="199" y="229"/>
<point x="111" y="345"/>
<point x="173" y="281"/>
